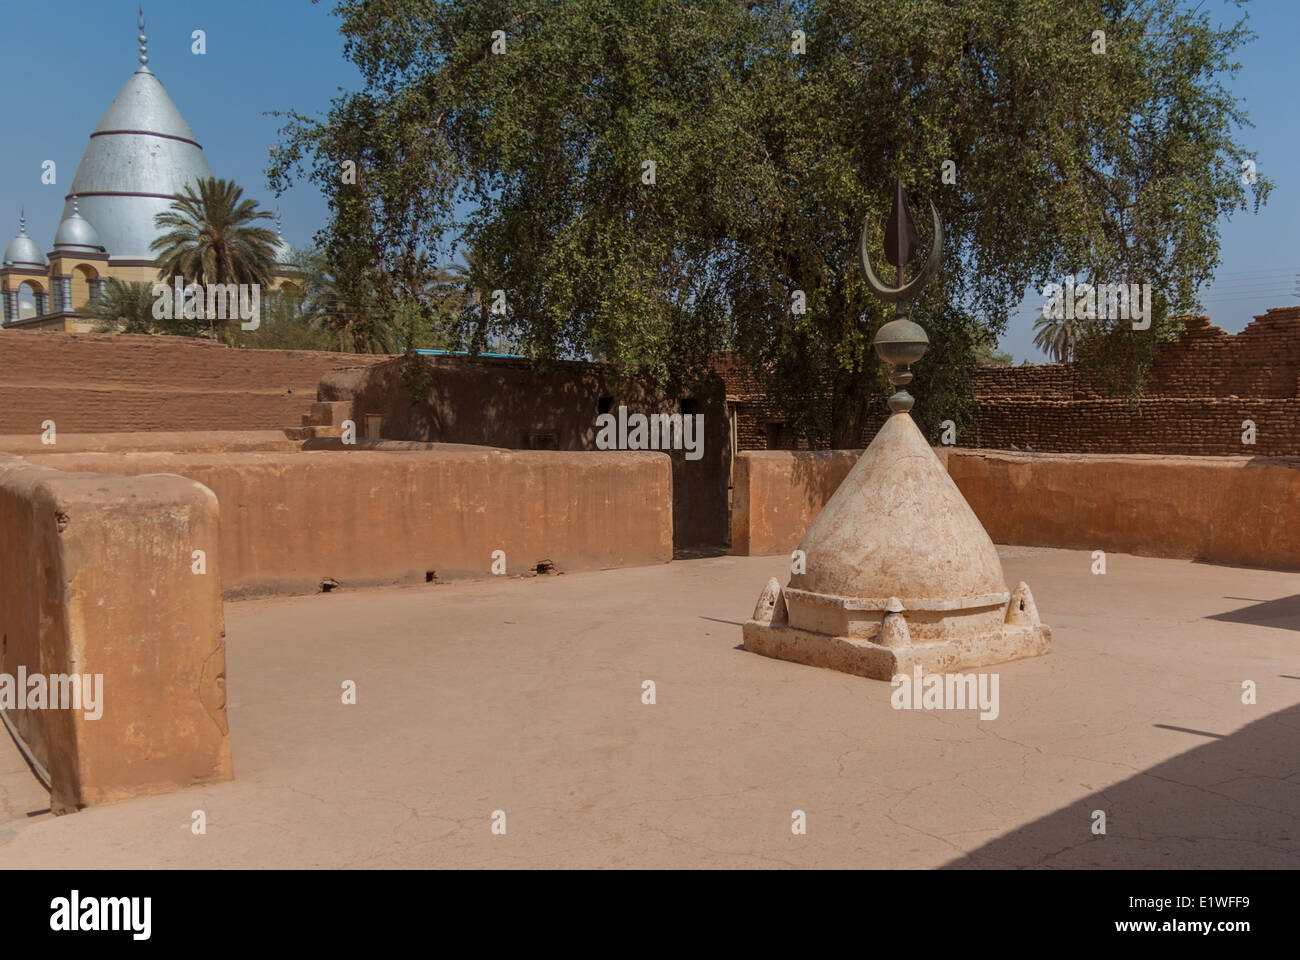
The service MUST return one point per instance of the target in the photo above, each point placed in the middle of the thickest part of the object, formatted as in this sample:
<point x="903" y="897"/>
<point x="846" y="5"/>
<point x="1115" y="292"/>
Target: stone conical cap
<point x="899" y="527"/>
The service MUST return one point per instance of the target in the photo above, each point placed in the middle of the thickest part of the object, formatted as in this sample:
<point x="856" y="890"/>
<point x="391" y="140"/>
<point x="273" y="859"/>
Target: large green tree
<point x="649" y="183"/>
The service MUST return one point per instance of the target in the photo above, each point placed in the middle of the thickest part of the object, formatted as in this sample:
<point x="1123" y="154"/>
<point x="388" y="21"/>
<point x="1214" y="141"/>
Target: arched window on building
<point x="85" y="285"/>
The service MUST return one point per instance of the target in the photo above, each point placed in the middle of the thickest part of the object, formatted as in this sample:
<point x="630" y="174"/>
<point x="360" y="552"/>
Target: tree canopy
<point x="650" y="183"/>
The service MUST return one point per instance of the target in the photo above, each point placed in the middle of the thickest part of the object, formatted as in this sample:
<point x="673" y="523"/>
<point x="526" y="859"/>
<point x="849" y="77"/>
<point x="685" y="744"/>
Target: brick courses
<point x="1196" y="397"/>
<point x="109" y="383"/>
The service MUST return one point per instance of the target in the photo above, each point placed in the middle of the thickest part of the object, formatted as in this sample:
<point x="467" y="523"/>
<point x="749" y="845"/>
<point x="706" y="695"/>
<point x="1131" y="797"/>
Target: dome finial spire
<point x="144" y="41"/>
<point x="22" y="221"/>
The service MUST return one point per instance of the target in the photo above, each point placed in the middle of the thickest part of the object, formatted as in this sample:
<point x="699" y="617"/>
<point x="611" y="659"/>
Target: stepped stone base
<point x="866" y="658"/>
<point x="896" y="573"/>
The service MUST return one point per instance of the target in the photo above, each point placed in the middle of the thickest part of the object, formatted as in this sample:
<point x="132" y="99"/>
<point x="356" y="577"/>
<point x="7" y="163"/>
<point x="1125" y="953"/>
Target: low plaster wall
<point x="778" y="493"/>
<point x="510" y="405"/>
<point x="213" y="441"/>
<point x="96" y="578"/>
<point x="1236" y="510"/>
<point x="291" y="520"/>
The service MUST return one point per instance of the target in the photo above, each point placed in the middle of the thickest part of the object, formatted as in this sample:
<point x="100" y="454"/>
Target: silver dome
<point x="22" y="250"/>
<point x="284" y="254"/>
<point x="76" y="233"/>
<point x="139" y="159"/>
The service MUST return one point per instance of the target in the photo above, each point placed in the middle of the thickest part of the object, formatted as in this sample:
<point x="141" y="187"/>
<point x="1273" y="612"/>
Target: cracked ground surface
<point x="525" y="696"/>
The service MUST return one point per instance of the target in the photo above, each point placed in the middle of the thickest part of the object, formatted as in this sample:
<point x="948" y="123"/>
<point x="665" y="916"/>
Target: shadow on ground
<point x="1283" y="613"/>
<point x="1232" y="803"/>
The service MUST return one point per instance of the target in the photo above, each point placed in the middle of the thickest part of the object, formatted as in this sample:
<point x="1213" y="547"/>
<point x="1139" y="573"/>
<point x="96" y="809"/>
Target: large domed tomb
<point x="140" y="158"/>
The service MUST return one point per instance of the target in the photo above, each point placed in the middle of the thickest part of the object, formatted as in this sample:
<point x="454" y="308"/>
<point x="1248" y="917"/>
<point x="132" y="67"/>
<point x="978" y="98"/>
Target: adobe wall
<point x="778" y="493"/>
<point x="1208" y="426"/>
<point x="506" y="403"/>
<point x="108" y="383"/>
<point x="1235" y="510"/>
<point x="291" y="520"/>
<point x="1195" y="398"/>
<point x="1260" y="362"/>
<point x="96" y="577"/>
<point x="213" y="441"/>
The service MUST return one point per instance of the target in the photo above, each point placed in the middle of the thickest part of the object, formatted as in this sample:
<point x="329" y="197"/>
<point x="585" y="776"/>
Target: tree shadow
<point x="1282" y="613"/>
<point x="1232" y="803"/>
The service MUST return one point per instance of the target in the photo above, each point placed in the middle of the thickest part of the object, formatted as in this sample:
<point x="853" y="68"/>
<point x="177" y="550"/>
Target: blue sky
<point x="60" y="71"/>
<point x="273" y="55"/>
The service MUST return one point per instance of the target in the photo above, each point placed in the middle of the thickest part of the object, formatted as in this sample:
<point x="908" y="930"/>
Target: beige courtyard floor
<point x="524" y="696"/>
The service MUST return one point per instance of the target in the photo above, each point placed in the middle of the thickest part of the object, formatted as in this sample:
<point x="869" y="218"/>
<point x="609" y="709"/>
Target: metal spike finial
<point x="900" y="232"/>
<point x="144" y="41"/>
<point x="22" y="221"/>
<point x="901" y="342"/>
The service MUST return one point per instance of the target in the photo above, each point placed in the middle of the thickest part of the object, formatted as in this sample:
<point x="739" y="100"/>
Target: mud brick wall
<point x="1047" y="381"/>
<point x="755" y="410"/>
<point x="1196" y="397"/>
<point x="500" y="402"/>
<point x="110" y="383"/>
<point x="1189" y="426"/>
<point x="1262" y="361"/>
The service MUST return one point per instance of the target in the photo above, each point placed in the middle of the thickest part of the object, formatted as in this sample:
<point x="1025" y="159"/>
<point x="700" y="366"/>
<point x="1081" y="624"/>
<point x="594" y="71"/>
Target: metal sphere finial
<point x="901" y="342"/>
<point x="144" y="41"/>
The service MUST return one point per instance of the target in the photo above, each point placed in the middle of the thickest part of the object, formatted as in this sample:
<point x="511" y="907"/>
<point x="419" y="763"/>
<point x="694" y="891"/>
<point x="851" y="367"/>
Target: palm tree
<point x="1056" y="338"/>
<point x="468" y="278"/>
<point x="350" y="314"/>
<point x="125" y="308"/>
<point x="211" y="238"/>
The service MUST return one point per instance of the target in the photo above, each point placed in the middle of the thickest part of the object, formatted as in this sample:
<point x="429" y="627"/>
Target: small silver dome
<point x="284" y="253"/>
<point x="76" y="234"/>
<point x="22" y="250"/>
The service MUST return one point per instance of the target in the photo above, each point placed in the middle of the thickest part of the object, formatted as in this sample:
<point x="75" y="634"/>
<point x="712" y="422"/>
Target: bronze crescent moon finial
<point x="908" y="290"/>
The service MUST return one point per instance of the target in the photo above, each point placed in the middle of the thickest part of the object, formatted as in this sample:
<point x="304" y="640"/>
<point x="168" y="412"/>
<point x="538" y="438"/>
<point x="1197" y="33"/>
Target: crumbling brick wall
<point x="1196" y="399"/>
